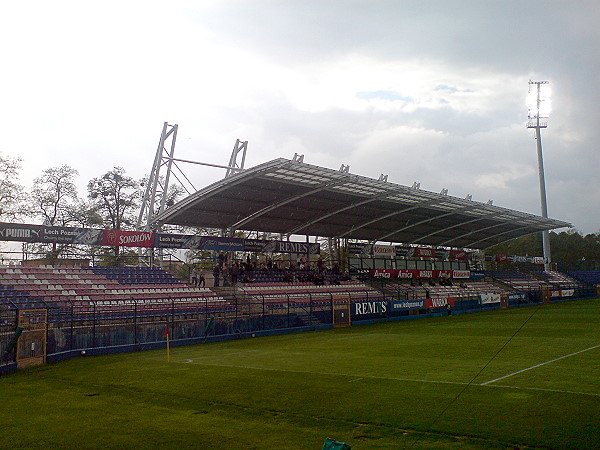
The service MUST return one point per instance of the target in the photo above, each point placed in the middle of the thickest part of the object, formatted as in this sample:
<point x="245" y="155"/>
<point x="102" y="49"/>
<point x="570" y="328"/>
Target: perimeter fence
<point x="99" y="327"/>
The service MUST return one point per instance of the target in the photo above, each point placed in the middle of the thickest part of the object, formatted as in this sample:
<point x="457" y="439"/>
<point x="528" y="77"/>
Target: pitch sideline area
<point x="427" y="383"/>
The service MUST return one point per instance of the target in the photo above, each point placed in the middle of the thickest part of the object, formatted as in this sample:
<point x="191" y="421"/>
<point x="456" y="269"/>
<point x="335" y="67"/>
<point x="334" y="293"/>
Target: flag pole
<point x="166" y="335"/>
<point x="168" y="349"/>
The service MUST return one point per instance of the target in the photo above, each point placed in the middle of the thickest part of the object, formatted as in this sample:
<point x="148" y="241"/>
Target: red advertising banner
<point x="409" y="274"/>
<point x="439" y="302"/>
<point x="458" y="254"/>
<point x="118" y="238"/>
<point x="424" y="252"/>
<point x="501" y="258"/>
<point x="384" y="273"/>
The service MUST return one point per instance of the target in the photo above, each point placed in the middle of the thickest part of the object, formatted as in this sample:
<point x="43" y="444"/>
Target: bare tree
<point x="54" y="197"/>
<point x="12" y="194"/>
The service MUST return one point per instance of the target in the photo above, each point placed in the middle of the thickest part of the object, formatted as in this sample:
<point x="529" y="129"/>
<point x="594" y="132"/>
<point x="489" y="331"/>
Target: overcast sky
<point x="426" y="91"/>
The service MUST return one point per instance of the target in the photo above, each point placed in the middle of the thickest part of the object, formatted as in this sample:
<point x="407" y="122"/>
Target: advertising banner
<point x="384" y="273"/>
<point x="221" y="244"/>
<point x="461" y="274"/>
<point x="358" y="248"/>
<point x="410" y="274"/>
<point x="369" y="307"/>
<point x="259" y="245"/>
<point x="384" y="250"/>
<point x="489" y="298"/>
<point x="518" y="259"/>
<point x="297" y="247"/>
<point x="407" y="304"/>
<point x="458" y="254"/>
<point x="563" y="293"/>
<point x="71" y="235"/>
<point x="424" y="252"/>
<point x="176" y="240"/>
<point x="120" y="238"/>
<point x="439" y="302"/>
<point x="20" y="232"/>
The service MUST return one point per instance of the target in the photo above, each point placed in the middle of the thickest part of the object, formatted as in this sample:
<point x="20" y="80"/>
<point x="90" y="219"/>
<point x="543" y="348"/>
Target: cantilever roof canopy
<point x="291" y="197"/>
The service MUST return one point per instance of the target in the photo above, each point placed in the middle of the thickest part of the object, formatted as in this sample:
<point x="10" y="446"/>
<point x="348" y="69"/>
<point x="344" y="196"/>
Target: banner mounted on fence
<point x="358" y="248"/>
<point x="439" y="302"/>
<point x="20" y="232"/>
<point x="176" y="241"/>
<point x="489" y="298"/>
<point x="118" y="238"/>
<point x="458" y="254"/>
<point x="70" y="235"/>
<point x="410" y="274"/>
<point x="407" y="304"/>
<point x="424" y="252"/>
<point x="384" y="250"/>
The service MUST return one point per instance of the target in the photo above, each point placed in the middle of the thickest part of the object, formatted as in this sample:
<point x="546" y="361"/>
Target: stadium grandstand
<point x="391" y="252"/>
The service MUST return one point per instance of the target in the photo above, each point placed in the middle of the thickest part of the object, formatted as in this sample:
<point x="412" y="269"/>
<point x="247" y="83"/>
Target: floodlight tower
<point x="538" y="106"/>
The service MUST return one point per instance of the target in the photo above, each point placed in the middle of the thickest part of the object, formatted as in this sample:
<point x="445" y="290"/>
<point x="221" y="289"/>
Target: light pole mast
<point x="538" y="103"/>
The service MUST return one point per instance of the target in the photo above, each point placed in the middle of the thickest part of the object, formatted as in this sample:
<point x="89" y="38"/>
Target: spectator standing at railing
<point x="235" y="271"/>
<point x="225" y="275"/>
<point x="216" y="275"/>
<point x="221" y="259"/>
<point x="201" y="279"/>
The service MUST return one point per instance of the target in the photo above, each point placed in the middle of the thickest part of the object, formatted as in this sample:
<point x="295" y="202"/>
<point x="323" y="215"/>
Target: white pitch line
<point x="560" y="391"/>
<point x="235" y="366"/>
<point x="411" y="380"/>
<point x="539" y="365"/>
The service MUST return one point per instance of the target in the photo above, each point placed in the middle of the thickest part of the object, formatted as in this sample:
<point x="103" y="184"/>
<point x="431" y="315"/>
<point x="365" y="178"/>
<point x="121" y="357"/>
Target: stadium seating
<point x="469" y="288"/>
<point x="519" y="281"/>
<point x="586" y="276"/>
<point x="558" y="280"/>
<point x="85" y="288"/>
<point x="299" y="294"/>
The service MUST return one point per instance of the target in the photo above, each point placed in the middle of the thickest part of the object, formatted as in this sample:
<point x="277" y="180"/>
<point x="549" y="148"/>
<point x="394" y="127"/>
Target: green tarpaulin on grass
<point x="332" y="444"/>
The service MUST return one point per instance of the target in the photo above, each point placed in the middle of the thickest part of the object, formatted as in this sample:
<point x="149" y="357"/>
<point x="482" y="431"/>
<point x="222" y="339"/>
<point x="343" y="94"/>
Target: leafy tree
<point x="569" y="248"/>
<point x="12" y="193"/>
<point x="114" y="200"/>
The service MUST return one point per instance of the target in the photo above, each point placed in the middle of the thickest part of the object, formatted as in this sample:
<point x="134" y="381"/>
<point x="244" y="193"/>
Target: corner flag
<point x="166" y="335"/>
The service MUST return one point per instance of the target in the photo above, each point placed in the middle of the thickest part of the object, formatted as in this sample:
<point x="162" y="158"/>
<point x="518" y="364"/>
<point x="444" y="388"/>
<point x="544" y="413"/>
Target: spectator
<point x="235" y="271"/>
<point x="221" y="259"/>
<point x="216" y="275"/>
<point x="225" y="275"/>
<point x="201" y="280"/>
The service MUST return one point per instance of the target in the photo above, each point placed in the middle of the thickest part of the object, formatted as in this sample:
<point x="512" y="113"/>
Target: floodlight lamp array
<point x="538" y="100"/>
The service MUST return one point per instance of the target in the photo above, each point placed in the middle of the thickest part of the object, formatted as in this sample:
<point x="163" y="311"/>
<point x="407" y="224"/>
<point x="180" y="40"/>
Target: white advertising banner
<point x="489" y="298"/>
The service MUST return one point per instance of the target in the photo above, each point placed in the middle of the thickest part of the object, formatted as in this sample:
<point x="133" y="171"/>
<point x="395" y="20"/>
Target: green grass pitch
<point x="526" y="377"/>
